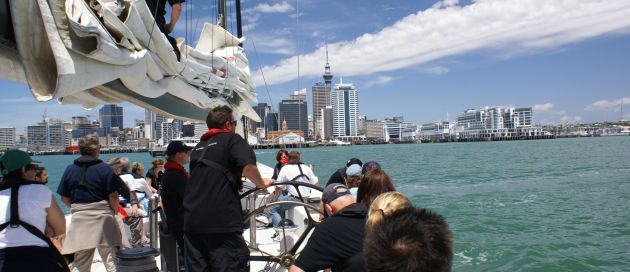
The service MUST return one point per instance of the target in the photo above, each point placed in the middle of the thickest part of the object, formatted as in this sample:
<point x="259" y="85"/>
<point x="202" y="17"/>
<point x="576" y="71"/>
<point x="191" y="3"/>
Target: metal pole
<point x="239" y="26"/>
<point x="252" y="221"/>
<point x="153" y="221"/>
<point x="222" y="13"/>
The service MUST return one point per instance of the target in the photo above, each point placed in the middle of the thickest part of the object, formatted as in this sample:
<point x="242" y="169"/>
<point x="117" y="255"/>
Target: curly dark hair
<point x="411" y="239"/>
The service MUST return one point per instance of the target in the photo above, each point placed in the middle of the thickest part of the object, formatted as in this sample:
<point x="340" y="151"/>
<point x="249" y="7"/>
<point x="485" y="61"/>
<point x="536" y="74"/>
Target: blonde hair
<point x="384" y="205"/>
<point x="135" y="166"/>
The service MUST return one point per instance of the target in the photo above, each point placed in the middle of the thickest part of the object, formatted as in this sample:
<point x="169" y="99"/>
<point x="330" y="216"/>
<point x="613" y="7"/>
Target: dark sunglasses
<point x="234" y="122"/>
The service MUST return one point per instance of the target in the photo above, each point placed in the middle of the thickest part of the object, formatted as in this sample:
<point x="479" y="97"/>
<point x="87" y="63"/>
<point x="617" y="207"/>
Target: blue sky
<point x="422" y="59"/>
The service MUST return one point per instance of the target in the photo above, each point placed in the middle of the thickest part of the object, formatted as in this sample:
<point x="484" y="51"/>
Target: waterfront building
<point x="111" y="116"/>
<point x="345" y="105"/>
<point x="81" y="122"/>
<point x="46" y="135"/>
<point x="7" y="137"/>
<point x="437" y="131"/>
<point x="276" y="136"/>
<point x="294" y="113"/>
<point x="153" y="125"/>
<point x="171" y="129"/>
<point x="497" y="122"/>
<point x="375" y="130"/>
<point x="194" y="129"/>
<point x="326" y="122"/>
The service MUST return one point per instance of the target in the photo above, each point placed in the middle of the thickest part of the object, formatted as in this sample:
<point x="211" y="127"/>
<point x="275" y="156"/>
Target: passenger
<point x="90" y="188"/>
<point x="130" y="202"/>
<point x="371" y="165"/>
<point x="282" y="157"/>
<point x="213" y="218"/>
<point x="138" y="184"/>
<point x="373" y="184"/>
<point x="41" y="175"/>
<point x="173" y="186"/>
<point x="337" y="242"/>
<point x="354" y="178"/>
<point x="158" y="10"/>
<point x="26" y="247"/>
<point x="296" y="171"/>
<point x="154" y="174"/>
<point x="340" y="175"/>
<point x="384" y="205"/>
<point x="407" y="240"/>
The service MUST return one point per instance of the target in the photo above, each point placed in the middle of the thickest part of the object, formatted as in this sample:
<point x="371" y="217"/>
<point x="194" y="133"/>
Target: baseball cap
<point x="175" y="147"/>
<point x="334" y="191"/>
<point x="13" y="160"/>
<point x="354" y="161"/>
<point x="353" y="170"/>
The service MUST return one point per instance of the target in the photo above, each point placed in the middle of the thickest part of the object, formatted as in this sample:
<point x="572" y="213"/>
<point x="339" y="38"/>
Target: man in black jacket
<point x="213" y="219"/>
<point x="337" y="242"/>
<point x="173" y="186"/>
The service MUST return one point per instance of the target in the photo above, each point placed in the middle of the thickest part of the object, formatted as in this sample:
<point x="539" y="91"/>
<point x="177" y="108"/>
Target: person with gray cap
<point x="90" y="188"/>
<point x="340" y="175"/>
<point x="337" y="242"/>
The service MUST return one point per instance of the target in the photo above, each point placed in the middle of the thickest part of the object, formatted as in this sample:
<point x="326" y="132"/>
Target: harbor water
<point x="546" y="205"/>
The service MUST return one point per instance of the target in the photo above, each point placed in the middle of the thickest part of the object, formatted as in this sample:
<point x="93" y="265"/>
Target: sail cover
<point x="108" y="51"/>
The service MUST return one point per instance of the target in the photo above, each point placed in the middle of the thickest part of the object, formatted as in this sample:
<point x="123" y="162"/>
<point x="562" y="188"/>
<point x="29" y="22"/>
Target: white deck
<point x="263" y="235"/>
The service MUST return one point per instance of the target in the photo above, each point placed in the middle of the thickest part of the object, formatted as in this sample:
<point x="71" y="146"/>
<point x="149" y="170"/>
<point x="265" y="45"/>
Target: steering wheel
<point x="288" y="252"/>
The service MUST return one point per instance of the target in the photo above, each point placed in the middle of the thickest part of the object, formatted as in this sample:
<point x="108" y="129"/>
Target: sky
<point x="424" y="60"/>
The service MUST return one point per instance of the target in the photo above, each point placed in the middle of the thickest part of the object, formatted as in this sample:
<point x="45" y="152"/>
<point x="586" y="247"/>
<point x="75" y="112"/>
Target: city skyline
<point x="570" y="71"/>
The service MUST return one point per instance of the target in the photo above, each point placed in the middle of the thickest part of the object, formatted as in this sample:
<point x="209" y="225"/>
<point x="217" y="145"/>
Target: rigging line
<point x="154" y="24"/>
<point x="297" y="45"/>
<point x="262" y="73"/>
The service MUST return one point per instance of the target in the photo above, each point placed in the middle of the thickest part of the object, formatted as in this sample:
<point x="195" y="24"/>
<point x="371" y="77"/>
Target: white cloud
<point x="293" y="16"/>
<point x="571" y="119"/>
<point x="435" y="33"/>
<point x="273" y="8"/>
<point x="543" y="107"/>
<point x="380" y="80"/>
<point x="605" y="105"/>
<point x="437" y="70"/>
<point x="445" y="3"/>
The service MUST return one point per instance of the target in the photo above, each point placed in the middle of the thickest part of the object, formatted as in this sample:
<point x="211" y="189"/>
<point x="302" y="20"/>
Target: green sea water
<point x="548" y="205"/>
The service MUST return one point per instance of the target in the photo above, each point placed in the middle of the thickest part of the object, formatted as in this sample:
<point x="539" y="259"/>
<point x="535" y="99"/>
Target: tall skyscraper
<point x="345" y="103"/>
<point x="111" y="116"/>
<point x="321" y="99"/>
<point x="153" y="125"/>
<point x="262" y="109"/>
<point x="295" y="114"/>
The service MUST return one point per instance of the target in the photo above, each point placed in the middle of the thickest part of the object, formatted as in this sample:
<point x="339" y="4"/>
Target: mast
<point x="239" y="25"/>
<point x="222" y="14"/>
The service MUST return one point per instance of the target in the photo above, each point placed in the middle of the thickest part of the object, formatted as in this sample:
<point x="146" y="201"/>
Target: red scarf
<point x="171" y="165"/>
<point x="214" y="131"/>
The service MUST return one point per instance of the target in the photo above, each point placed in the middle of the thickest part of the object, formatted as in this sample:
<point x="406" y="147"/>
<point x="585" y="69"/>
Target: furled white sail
<point x="108" y="51"/>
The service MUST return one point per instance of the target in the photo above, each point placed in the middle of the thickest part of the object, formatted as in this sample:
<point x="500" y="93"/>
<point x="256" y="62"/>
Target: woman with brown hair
<point x="282" y="157"/>
<point x="373" y="184"/>
<point x="153" y="175"/>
